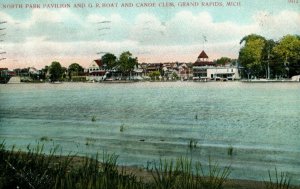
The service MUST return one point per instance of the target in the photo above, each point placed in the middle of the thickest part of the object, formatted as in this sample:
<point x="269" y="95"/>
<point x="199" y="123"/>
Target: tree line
<point x="258" y="57"/>
<point x="266" y="58"/>
<point x="124" y="64"/>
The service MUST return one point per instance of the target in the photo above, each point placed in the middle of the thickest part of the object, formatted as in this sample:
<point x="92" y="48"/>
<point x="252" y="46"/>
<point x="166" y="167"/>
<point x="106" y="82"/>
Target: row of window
<point x="94" y="69"/>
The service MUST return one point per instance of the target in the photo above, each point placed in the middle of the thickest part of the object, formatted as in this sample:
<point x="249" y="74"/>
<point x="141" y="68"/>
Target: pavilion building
<point x="201" y="65"/>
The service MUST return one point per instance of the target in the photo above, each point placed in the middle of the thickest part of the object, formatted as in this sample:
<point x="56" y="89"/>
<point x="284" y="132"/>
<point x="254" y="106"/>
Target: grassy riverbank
<point x="36" y="170"/>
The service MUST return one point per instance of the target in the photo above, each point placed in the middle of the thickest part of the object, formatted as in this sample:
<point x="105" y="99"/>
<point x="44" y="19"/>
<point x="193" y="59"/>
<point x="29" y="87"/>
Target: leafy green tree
<point x="64" y="72"/>
<point x="267" y="59"/>
<point x="251" y="54"/>
<point x="110" y="60"/>
<point x="223" y="60"/>
<point x="288" y="53"/>
<point x="154" y="75"/>
<point x="74" y="70"/>
<point x="175" y="76"/>
<point x="56" y="71"/>
<point x="127" y="62"/>
<point x="43" y="72"/>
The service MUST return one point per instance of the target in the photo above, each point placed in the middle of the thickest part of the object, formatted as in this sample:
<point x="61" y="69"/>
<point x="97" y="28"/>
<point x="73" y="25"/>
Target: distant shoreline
<point x="16" y="80"/>
<point x="269" y="81"/>
<point x="126" y="81"/>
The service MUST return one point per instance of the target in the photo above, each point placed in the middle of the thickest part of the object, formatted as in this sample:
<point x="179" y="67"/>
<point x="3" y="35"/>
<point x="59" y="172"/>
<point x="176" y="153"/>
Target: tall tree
<point x="251" y="54"/>
<point x="223" y="60"/>
<point x="44" y="72"/>
<point x="288" y="53"/>
<point x="127" y="62"/>
<point x="109" y="60"/>
<point x="268" y="60"/>
<point x="64" y="72"/>
<point x="74" y="70"/>
<point x="55" y="71"/>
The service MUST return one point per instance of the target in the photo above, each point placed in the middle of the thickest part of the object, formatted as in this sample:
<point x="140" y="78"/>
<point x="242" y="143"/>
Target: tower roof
<point x="203" y="60"/>
<point x="203" y="55"/>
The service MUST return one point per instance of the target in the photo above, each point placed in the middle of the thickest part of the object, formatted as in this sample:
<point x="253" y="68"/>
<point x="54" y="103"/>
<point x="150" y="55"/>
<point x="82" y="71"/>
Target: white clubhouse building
<point x="231" y="73"/>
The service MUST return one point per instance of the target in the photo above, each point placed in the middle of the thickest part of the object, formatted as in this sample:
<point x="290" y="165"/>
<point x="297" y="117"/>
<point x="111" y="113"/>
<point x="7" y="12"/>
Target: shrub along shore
<point x="35" y="169"/>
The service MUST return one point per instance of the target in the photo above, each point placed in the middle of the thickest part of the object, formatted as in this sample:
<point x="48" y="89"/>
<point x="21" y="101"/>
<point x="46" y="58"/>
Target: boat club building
<point x="201" y="65"/>
<point x="204" y="69"/>
<point x="96" y="70"/>
<point x="223" y="72"/>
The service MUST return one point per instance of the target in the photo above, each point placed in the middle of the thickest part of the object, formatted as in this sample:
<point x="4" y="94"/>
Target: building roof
<point x="203" y="55"/>
<point x="1" y="69"/>
<point x="99" y="62"/>
<point x="201" y="60"/>
<point x="204" y="63"/>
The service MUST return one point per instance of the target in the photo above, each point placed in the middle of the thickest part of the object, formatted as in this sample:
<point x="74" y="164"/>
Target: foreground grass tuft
<point x="216" y="176"/>
<point x="282" y="181"/>
<point x="179" y="174"/>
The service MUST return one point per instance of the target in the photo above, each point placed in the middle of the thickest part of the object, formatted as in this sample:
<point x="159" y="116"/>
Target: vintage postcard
<point x="149" y="94"/>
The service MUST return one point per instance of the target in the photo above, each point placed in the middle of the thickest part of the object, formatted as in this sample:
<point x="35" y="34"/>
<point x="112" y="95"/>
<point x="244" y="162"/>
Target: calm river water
<point x="142" y="122"/>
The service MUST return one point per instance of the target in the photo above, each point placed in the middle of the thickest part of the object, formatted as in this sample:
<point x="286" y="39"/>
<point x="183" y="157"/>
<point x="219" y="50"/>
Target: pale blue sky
<point x="35" y="37"/>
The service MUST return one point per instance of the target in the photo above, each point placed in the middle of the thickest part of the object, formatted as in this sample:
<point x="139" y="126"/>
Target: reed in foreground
<point x="36" y="170"/>
<point x="180" y="174"/>
<point x="282" y="181"/>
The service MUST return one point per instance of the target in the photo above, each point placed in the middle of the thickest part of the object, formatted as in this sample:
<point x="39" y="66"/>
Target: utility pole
<point x="286" y="66"/>
<point x="204" y="40"/>
<point x="103" y="26"/>
<point x="269" y="63"/>
<point x="1" y="40"/>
